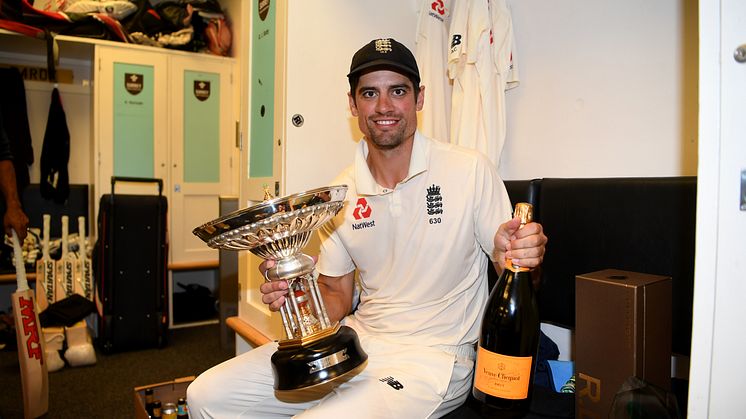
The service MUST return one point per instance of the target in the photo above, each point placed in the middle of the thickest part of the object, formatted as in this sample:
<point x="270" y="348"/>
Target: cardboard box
<point x="622" y="329"/>
<point x="166" y="392"/>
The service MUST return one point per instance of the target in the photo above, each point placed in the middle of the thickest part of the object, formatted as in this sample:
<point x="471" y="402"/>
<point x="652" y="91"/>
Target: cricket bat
<point x="65" y="266"/>
<point x="84" y="279"/>
<point x="34" y="376"/>
<point x="46" y="272"/>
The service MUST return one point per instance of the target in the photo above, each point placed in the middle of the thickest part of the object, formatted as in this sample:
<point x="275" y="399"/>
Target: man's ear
<point x="353" y="106"/>
<point x="421" y="98"/>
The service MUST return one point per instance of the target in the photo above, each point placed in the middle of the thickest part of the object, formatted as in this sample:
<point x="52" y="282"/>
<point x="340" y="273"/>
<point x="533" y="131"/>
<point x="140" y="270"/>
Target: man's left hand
<point x="525" y="246"/>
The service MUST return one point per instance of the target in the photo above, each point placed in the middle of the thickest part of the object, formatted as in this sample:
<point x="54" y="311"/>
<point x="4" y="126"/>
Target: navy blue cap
<point x="385" y="53"/>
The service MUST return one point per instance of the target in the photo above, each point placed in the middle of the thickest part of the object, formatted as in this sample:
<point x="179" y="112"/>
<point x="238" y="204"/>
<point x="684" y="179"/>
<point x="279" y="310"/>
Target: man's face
<point x="386" y="108"/>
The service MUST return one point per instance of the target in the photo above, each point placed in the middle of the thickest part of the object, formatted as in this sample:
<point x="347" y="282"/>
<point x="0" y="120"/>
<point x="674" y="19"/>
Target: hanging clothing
<point x="470" y="52"/>
<point x="432" y="54"/>
<point x="503" y="44"/>
<point x="55" y="154"/>
<point x="15" y="121"/>
<point x="481" y="65"/>
<point x="504" y="76"/>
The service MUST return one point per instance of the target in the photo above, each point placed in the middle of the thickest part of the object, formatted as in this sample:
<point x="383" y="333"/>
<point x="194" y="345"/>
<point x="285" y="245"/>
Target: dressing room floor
<point x="106" y="389"/>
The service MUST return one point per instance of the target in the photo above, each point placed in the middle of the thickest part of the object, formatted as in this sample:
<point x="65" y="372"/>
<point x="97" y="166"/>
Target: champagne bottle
<point x="509" y="338"/>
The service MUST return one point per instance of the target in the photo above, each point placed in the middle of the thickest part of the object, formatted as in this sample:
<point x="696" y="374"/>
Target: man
<point x="14" y="217"/>
<point x="422" y="268"/>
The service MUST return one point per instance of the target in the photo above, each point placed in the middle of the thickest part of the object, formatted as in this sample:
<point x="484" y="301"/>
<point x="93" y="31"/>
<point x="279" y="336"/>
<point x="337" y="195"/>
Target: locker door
<point x="202" y="139"/>
<point x="131" y="118"/>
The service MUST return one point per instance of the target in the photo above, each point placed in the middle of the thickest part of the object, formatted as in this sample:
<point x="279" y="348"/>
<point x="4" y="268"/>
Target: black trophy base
<point x="312" y="371"/>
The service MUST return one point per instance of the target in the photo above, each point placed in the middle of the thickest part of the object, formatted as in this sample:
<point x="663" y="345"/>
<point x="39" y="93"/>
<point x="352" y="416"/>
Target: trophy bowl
<point x="315" y="355"/>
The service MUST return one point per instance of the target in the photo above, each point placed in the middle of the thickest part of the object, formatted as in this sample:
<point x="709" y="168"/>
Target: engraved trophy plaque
<point x="315" y="355"/>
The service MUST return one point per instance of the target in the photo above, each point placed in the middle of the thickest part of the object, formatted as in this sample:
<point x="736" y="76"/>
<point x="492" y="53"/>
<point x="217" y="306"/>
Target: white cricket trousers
<point x="400" y="381"/>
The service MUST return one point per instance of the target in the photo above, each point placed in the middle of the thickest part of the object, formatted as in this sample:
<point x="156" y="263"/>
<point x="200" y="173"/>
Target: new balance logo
<point x="393" y="383"/>
<point x="455" y="41"/>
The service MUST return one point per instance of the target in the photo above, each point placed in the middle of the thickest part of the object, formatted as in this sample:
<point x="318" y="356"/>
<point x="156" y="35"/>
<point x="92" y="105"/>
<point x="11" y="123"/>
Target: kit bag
<point x="22" y="17"/>
<point x="130" y="265"/>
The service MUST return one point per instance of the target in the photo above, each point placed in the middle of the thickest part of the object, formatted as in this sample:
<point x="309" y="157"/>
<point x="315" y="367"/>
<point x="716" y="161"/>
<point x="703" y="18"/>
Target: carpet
<point x="106" y="389"/>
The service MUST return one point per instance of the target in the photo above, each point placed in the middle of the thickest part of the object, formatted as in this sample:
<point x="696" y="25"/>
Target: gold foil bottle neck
<point x="525" y="212"/>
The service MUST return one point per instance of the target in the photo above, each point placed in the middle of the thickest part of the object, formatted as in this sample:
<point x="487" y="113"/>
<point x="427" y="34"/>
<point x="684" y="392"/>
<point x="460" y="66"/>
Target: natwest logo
<point x="439" y="7"/>
<point x="362" y="209"/>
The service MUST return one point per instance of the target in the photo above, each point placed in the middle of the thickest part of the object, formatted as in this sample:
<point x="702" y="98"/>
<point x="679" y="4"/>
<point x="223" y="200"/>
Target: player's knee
<point x="201" y="393"/>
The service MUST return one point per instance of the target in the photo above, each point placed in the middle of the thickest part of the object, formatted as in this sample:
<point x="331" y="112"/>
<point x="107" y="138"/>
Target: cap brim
<point x="383" y="64"/>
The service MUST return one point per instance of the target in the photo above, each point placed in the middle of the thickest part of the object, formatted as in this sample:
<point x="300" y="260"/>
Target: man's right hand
<point x="273" y="292"/>
<point x="17" y="220"/>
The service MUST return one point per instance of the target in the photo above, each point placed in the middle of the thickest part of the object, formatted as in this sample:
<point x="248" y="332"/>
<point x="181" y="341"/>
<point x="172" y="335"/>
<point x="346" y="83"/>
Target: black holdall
<point x="130" y="265"/>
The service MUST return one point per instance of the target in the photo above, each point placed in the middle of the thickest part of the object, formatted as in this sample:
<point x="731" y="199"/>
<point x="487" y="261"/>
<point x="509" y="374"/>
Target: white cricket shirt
<point x="419" y="248"/>
<point x="431" y="53"/>
<point x="482" y="68"/>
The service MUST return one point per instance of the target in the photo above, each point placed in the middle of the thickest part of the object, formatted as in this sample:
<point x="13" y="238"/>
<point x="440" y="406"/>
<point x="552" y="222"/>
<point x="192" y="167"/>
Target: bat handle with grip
<point x="20" y="267"/>
<point x="64" y="236"/>
<point x="45" y="238"/>
<point x="81" y="236"/>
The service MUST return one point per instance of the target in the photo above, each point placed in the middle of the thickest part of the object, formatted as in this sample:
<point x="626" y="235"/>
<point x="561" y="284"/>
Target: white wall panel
<point x="607" y="89"/>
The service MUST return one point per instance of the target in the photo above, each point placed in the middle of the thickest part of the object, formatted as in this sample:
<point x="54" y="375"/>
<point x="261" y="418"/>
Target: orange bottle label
<point x="501" y="375"/>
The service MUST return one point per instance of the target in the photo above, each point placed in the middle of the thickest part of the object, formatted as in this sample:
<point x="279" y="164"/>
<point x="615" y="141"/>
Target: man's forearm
<point x="337" y="295"/>
<point x="8" y="184"/>
<point x="14" y="217"/>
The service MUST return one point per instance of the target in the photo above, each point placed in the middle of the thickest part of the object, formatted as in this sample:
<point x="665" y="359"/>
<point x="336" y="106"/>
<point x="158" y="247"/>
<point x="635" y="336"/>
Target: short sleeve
<point x="334" y="260"/>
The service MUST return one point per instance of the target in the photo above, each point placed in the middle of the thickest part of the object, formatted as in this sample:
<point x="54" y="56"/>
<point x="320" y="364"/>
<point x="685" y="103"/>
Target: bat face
<point x="45" y="283"/>
<point x="59" y="292"/>
<point x="49" y="273"/>
<point x="45" y="272"/>
<point x="41" y="290"/>
<point x="68" y="275"/>
<point x="86" y="278"/>
<point x="27" y="327"/>
<point x="65" y="267"/>
<point x="34" y="378"/>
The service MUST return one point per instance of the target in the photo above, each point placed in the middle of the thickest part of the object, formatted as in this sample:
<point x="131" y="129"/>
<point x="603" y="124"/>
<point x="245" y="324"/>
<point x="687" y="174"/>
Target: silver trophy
<point x="315" y="355"/>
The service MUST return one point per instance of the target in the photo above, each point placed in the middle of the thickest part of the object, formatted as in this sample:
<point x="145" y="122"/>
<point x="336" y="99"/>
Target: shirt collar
<point x="364" y="181"/>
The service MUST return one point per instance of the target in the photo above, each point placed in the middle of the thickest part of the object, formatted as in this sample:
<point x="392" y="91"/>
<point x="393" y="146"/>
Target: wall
<point x="322" y="46"/>
<point x="607" y="89"/>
